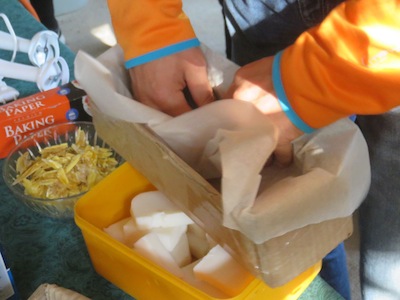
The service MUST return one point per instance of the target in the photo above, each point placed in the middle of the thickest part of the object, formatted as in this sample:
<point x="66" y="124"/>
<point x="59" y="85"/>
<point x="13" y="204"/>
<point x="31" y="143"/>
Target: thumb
<point x="283" y="154"/>
<point x="199" y="91"/>
<point x="200" y="100"/>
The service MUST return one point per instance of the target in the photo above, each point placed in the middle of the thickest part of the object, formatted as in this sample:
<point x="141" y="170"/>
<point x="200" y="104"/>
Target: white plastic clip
<point x="51" y="74"/>
<point x="7" y="93"/>
<point x="49" y="70"/>
<point x="41" y="48"/>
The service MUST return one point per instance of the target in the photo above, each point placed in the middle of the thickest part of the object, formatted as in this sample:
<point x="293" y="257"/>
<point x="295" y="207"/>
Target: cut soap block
<point x="116" y="230"/>
<point x="220" y="270"/>
<point x="151" y="247"/>
<point x="153" y="209"/>
<point x="203" y="286"/>
<point x="176" y="242"/>
<point x="132" y="233"/>
<point x="125" y="231"/>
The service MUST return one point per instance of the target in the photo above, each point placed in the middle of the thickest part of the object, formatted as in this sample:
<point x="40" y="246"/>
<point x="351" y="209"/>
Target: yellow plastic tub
<point x="109" y="202"/>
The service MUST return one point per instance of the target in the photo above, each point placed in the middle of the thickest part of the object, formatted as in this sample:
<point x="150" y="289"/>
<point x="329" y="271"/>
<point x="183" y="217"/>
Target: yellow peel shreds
<point x="80" y="138"/>
<point x="27" y="172"/>
<point x="35" y="189"/>
<point x="62" y="176"/>
<point x="54" y="149"/>
<point x="52" y="163"/>
<point x="61" y="170"/>
<point x="23" y="162"/>
<point x="73" y="161"/>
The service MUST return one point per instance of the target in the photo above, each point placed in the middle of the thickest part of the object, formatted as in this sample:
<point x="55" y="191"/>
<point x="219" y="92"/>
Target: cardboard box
<point x="276" y="261"/>
<point x="24" y="116"/>
<point x="108" y="202"/>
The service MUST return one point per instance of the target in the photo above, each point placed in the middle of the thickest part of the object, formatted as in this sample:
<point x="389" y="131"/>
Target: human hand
<point x="253" y="83"/>
<point x="161" y="83"/>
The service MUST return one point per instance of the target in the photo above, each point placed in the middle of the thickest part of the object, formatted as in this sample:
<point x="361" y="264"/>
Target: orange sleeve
<point x="349" y="64"/>
<point x="149" y="29"/>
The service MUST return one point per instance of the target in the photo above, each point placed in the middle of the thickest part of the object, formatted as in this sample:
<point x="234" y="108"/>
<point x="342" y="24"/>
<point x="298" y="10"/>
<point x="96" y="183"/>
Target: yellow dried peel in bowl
<point x="62" y="170"/>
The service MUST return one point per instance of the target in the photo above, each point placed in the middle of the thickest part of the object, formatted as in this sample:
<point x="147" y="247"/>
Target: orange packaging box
<point x="20" y="118"/>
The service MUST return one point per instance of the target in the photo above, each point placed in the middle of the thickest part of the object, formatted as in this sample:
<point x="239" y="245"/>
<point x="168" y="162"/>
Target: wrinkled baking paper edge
<point x="47" y="291"/>
<point x="329" y="178"/>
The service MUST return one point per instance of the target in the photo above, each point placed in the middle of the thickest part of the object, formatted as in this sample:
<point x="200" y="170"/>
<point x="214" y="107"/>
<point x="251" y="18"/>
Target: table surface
<point x="44" y="250"/>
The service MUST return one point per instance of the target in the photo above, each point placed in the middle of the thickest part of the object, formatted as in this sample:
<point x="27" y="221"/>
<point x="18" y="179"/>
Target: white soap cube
<point x="220" y="270"/>
<point x="170" y="236"/>
<point x="181" y="252"/>
<point x="116" y="230"/>
<point x="175" y="241"/>
<point x="203" y="286"/>
<point x="151" y="247"/>
<point x="132" y="233"/>
<point x="153" y="209"/>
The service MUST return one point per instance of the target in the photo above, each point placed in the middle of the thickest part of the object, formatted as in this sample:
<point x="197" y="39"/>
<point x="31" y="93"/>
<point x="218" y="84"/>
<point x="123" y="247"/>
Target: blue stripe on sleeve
<point x="162" y="53"/>
<point x="283" y="101"/>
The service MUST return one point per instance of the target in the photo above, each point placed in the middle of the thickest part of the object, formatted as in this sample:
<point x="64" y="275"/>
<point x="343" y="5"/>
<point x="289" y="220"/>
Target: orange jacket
<point x="349" y="64"/>
<point x="150" y="29"/>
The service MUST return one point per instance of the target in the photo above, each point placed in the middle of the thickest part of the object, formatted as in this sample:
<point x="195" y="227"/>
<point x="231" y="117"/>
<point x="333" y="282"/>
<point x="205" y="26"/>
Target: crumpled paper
<point x="47" y="291"/>
<point x="232" y="140"/>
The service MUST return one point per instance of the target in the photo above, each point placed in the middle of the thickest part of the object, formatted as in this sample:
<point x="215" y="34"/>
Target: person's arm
<point x="253" y="83"/>
<point x="148" y="30"/>
<point x="161" y="52"/>
<point x="349" y="64"/>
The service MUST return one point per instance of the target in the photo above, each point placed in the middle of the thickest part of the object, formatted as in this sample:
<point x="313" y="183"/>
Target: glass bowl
<point x="33" y="148"/>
